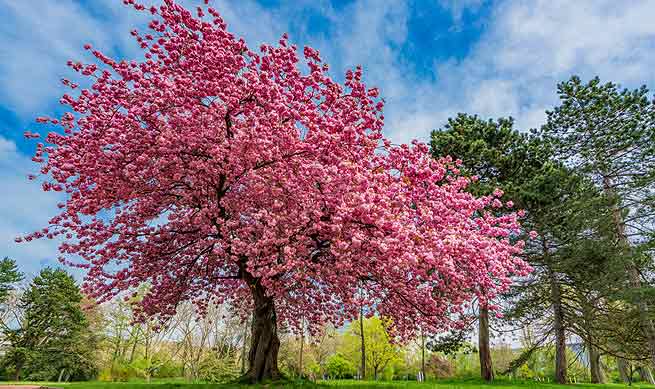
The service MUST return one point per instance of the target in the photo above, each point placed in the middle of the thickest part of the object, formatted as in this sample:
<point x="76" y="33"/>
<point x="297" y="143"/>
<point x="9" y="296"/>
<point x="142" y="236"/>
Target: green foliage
<point x="338" y="366"/>
<point x="380" y="351"/>
<point x="54" y="340"/>
<point x="214" y="368"/>
<point x="9" y="275"/>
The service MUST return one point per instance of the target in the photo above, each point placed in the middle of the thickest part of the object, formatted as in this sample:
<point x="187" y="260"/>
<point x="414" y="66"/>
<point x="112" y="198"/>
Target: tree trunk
<point x="624" y="373"/>
<point x="486" y="367"/>
<point x="19" y="367"/>
<point x="302" y="344"/>
<point x="264" y="342"/>
<point x="595" y="369"/>
<point x="646" y="375"/>
<point x="422" y="356"/>
<point x="560" y="334"/>
<point x="244" y="347"/>
<point x="363" y="346"/>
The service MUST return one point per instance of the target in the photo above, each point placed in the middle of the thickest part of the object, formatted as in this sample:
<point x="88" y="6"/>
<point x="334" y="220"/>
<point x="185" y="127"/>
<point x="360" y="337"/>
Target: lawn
<point x="451" y="384"/>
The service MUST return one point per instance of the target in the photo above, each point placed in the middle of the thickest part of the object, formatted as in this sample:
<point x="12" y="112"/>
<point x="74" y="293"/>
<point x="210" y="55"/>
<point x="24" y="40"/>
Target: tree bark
<point x="422" y="356"/>
<point x="264" y="342"/>
<point x="595" y="369"/>
<point x="363" y="346"/>
<point x="560" y="333"/>
<point x="486" y="366"/>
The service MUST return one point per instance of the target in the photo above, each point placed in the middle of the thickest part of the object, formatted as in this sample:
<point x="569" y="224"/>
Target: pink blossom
<point x="262" y="171"/>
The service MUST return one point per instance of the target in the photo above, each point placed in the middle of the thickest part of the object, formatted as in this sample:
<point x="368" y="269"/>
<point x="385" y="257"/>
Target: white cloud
<point x="525" y="50"/>
<point x="23" y="209"/>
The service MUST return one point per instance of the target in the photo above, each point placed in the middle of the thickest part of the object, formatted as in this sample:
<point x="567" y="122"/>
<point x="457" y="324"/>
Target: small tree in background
<point x="9" y="275"/>
<point x="53" y="340"/>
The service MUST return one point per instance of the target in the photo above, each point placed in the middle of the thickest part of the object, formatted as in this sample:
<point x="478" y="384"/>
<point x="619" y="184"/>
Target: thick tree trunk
<point x="486" y="367"/>
<point x="646" y="375"/>
<point x="560" y="333"/>
<point x="264" y="342"/>
<point x="363" y="345"/>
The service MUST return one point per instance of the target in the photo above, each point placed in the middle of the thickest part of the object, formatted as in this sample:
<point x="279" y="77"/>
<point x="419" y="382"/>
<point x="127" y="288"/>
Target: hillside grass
<point x="446" y="384"/>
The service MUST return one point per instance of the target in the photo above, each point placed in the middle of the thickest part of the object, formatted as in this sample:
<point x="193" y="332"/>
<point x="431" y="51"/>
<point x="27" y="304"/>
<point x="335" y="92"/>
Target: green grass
<point x="446" y="384"/>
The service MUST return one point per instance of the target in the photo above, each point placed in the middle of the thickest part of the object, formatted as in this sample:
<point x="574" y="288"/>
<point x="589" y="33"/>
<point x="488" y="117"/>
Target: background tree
<point x="213" y="173"/>
<point x="380" y="350"/>
<point x="9" y="276"/>
<point x="499" y="156"/>
<point x="53" y="341"/>
<point x="608" y="135"/>
<point x="559" y="204"/>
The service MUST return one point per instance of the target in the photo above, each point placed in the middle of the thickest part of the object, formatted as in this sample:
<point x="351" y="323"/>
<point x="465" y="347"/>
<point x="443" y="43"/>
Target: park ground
<point x="449" y="384"/>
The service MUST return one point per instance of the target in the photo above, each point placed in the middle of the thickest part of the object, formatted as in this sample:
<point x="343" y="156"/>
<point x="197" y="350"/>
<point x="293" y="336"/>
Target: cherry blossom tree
<point x="214" y="173"/>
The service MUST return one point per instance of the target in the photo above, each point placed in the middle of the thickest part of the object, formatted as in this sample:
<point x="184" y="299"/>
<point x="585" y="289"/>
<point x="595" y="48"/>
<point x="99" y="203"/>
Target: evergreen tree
<point x="608" y="134"/>
<point x="557" y="202"/>
<point x="53" y="341"/>
<point x="9" y="275"/>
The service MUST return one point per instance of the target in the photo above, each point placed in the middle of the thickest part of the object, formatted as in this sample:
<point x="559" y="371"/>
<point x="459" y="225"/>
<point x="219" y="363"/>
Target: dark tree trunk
<point x="264" y="342"/>
<point x="560" y="334"/>
<point x="363" y="346"/>
<point x="19" y="367"/>
<point x="486" y="367"/>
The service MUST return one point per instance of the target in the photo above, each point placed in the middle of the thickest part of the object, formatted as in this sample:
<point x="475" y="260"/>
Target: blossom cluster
<point x="207" y="160"/>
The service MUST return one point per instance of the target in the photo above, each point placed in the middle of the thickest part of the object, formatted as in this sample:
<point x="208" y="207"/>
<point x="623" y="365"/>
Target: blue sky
<point x="430" y="58"/>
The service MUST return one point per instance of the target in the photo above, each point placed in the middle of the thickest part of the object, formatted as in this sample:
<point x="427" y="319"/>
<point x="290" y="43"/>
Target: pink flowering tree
<point x="210" y="172"/>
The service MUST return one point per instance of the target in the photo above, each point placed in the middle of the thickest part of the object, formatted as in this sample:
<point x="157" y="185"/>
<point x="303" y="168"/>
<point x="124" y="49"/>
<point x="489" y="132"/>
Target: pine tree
<point x="53" y="341"/>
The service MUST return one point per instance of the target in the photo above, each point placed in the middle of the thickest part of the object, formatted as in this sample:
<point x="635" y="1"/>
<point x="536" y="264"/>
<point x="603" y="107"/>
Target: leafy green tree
<point x="380" y="351"/>
<point x="338" y="366"/>
<point x="499" y="156"/>
<point x="560" y="205"/>
<point x="53" y="341"/>
<point x="608" y="134"/>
